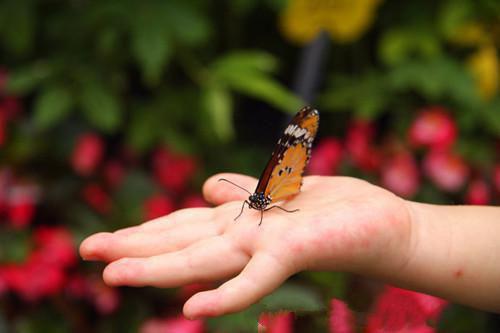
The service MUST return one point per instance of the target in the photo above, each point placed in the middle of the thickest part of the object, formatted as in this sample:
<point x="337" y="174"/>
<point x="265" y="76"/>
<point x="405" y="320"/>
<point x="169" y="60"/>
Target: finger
<point x="168" y="233"/>
<point x="219" y="192"/>
<point x="261" y="276"/>
<point x="211" y="259"/>
<point x="178" y="217"/>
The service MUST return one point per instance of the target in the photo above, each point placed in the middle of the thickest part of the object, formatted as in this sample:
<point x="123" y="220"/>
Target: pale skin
<point x="344" y="224"/>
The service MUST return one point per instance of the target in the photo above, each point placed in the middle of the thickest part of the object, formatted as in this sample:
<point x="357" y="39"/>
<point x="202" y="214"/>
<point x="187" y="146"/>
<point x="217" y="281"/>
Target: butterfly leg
<point x="283" y="209"/>
<point x="242" y="206"/>
<point x="261" y="216"/>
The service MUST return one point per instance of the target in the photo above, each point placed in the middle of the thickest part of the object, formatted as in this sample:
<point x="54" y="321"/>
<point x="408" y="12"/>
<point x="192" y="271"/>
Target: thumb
<point x="219" y="192"/>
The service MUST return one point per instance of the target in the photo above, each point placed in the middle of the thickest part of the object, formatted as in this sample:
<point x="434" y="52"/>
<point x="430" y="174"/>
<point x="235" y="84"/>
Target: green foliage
<point x="189" y="75"/>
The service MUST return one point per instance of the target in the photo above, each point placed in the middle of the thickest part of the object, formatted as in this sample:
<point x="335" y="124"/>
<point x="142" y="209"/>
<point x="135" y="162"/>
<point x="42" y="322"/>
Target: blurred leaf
<point x="52" y="105"/>
<point x="334" y="282"/>
<point x="14" y="246"/>
<point x="264" y="88"/>
<point x="144" y="129"/>
<point x="241" y="322"/>
<point x="44" y="319"/>
<point x="247" y="73"/>
<point x="17" y="25"/>
<point x="243" y="62"/>
<point x="183" y="14"/>
<point x="490" y="116"/>
<point x="218" y="104"/>
<point x="151" y="40"/>
<point x="399" y="45"/>
<point x="25" y="79"/>
<point x="130" y="196"/>
<point x="452" y="15"/>
<point x="100" y="106"/>
<point x="293" y="298"/>
<point x="432" y="78"/>
<point x="344" y="94"/>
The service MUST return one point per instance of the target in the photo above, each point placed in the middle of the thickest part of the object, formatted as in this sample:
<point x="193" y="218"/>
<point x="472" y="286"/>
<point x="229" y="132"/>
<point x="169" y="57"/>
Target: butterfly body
<point x="282" y="176"/>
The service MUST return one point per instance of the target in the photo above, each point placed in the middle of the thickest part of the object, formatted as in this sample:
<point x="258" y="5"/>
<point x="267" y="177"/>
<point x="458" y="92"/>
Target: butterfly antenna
<point x="230" y="182"/>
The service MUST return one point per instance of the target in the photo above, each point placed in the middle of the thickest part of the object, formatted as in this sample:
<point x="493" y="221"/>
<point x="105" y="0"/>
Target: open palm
<point x="343" y="224"/>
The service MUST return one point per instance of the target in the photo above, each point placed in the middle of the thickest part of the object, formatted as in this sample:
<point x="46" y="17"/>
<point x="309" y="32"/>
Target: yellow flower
<point x="345" y="20"/>
<point x="483" y="65"/>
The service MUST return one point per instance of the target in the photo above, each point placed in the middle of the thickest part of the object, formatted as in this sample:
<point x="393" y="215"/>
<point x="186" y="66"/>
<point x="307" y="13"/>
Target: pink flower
<point x="114" y="172"/>
<point x="173" y="171"/>
<point x="400" y="175"/>
<point x="97" y="198"/>
<point x="172" y="325"/>
<point x="193" y="200"/>
<point x="434" y="128"/>
<point x="105" y="299"/>
<point x="21" y="205"/>
<point x="326" y="157"/>
<point x="157" y="206"/>
<point x="478" y="193"/>
<point x="447" y="170"/>
<point x="281" y="322"/>
<point x="399" y="310"/>
<point x="359" y="145"/>
<point x="496" y="177"/>
<point x="55" y="246"/>
<point x="341" y="318"/>
<point x="87" y="153"/>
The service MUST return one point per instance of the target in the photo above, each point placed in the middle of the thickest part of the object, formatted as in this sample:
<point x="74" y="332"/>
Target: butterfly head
<point x="259" y="201"/>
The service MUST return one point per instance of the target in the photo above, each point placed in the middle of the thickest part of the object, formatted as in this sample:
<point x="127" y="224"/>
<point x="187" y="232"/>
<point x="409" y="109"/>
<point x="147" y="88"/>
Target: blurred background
<point x="114" y="112"/>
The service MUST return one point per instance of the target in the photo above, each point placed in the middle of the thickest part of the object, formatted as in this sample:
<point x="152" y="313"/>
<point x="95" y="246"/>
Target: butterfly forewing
<point x="282" y="176"/>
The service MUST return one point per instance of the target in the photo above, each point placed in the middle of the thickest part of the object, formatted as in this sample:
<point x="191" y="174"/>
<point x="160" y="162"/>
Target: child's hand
<point x="343" y="224"/>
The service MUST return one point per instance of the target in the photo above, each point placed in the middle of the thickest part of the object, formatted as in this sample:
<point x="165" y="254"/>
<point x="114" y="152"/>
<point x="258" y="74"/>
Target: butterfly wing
<point x="282" y="176"/>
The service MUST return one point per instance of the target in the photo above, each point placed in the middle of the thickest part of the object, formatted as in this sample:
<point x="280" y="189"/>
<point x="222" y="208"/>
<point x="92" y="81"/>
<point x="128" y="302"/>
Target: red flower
<point x="172" y="325"/>
<point x="6" y="180"/>
<point x="97" y="198"/>
<point x="21" y="205"/>
<point x="281" y="322"/>
<point x="326" y="157"/>
<point x="400" y="175"/>
<point x="193" y="200"/>
<point x="114" y="172"/>
<point x="478" y="193"/>
<point x="359" y="145"/>
<point x="496" y="177"/>
<point x="398" y="310"/>
<point x="3" y="79"/>
<point x="77" y="286"/>
<point x="55" y="246"/>
<point x="434" y="128"/>
<point x="173" y="171"/>
<point x="189" y="290"/>
<point x="3" y="127"/>
<point x="34" y="279"/>
<point x="448" y="171"/>
<point x="11" y="107"/>
<point x="157" y="206"/>
<point x="341" y="318"/>
<point x="87" y="153"/>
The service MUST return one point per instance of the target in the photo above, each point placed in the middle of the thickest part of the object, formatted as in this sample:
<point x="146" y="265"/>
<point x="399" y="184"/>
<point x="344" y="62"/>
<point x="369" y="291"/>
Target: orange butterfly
<point x="282" y="177"/>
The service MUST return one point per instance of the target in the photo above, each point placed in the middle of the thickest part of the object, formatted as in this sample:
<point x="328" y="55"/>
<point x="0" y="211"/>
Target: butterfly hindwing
<point x="282" y="176"/>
